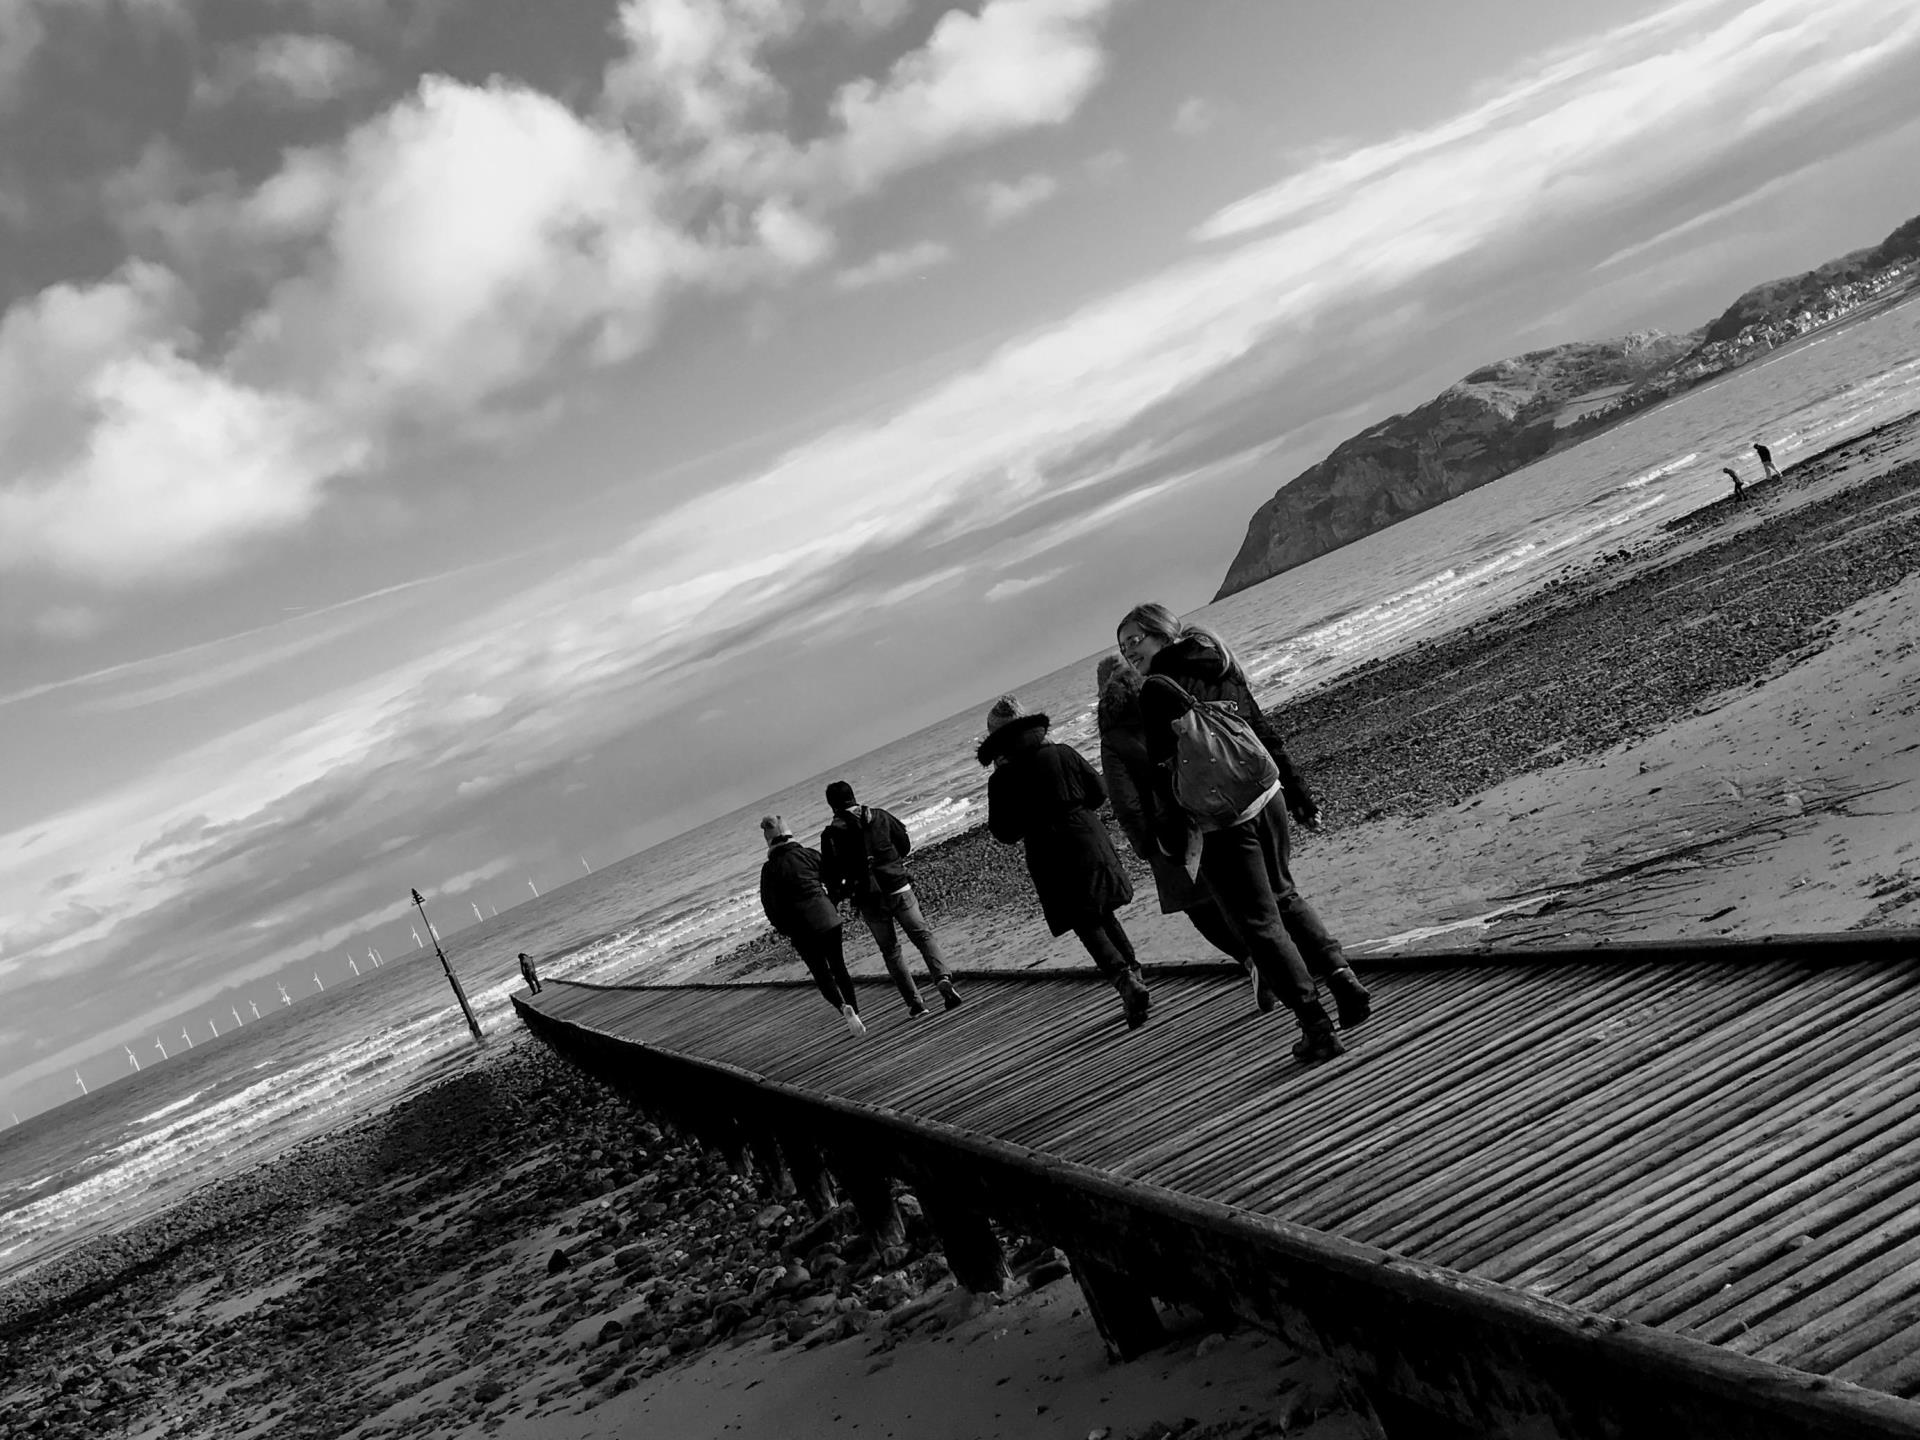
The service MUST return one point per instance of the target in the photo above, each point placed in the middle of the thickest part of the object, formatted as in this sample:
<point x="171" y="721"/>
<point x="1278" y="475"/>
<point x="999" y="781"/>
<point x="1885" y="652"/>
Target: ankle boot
<point x="1317" y="1040"/>
<point x="1353" y="1000"/>
<point x="1134" y="999"/>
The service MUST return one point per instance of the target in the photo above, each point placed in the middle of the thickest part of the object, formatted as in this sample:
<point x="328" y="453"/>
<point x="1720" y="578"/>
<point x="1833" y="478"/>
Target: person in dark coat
<point x="1137" y="797"/>
<point x="797" y="906"/>
<point x="1767" y="472"/>
<point x="1047" y="798"/>
<point x="1245" y="862"/>
<point x="863" y="856"/>
<point x="528" y="973"/>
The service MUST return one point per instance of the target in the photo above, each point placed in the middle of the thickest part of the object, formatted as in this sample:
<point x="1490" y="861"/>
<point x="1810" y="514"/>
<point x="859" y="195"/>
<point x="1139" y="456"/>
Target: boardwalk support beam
<point x="973" y="1251"/>
<point x="809" y="1170"/>
<point x="1121" y="1308"/>
<point x="872" y="1194"/>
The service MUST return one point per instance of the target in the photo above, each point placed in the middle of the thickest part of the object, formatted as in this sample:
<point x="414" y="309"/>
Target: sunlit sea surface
<point x="669" y="912"/>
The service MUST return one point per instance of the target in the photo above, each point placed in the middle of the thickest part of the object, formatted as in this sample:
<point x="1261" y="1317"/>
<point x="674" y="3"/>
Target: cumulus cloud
<point x="463" y="248"/>
<point x="890" y="266"/>
<point x="288" y="71"/>
<point x="1004" y="200"/>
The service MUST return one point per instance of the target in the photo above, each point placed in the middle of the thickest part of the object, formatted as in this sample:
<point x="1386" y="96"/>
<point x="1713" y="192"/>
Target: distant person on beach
<point x="1047" y="798"/>
<point x="1739" y="490"/>
<point x="1767" y="472"/>
<point x="1243" y="859"/>
<point x="528" y="974"/>
<point x="797" y="906"/>
<point x="862" y="858"/>
<point x="1138" y="799"/>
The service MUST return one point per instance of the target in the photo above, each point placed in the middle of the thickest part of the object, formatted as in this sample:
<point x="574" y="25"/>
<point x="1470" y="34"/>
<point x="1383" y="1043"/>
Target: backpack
<point x="1219" y="767"/>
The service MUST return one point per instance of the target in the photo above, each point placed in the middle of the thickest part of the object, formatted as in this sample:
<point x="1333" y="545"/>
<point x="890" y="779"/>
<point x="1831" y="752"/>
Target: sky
<point x="454" y="437"/>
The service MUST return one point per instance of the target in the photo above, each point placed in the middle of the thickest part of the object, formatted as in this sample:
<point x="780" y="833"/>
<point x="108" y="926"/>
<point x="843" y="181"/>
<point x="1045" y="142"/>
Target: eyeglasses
<point x="1132" y="642"/>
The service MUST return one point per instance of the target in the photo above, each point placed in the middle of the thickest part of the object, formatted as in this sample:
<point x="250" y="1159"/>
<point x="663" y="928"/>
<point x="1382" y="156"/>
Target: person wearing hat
<point x="797" y="906"/>
<point x="1047" y="798"/>
<point x="862" y="859"/>
<point x="528" y="974"/>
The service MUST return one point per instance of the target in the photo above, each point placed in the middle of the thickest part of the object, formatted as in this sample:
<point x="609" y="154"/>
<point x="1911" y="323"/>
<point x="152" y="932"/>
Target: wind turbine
<point x="476" y="910"/>
<point x="132" y="1058"/>
<point x="158" y="1046"/>
<point x="418" y="943"/>
<point x="584" y="866"/>
<point x="255" y="1008"/>
<point x="213" y="1027"/>
<point x="186" y="1037"/>
<point x="356" y="964"/>
<point x="316" y="980"/>
<point x="285" y="999"/>
<point x="533" y="887"/>
<point x="237" y="1021"/>
<point x="80" y="1081"/>
<point x="373" y="955"/>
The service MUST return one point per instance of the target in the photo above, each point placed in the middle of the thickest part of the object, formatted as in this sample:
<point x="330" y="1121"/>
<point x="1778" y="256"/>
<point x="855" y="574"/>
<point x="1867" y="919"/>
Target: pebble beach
<point x="1712" y="733"/>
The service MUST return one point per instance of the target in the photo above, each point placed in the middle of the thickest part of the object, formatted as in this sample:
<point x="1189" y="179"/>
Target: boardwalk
<point x="1723" y="1145"/>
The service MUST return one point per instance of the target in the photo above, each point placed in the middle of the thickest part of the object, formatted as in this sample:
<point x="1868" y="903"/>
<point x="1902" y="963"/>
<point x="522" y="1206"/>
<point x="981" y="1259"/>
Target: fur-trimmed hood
<point x="1001" y="741"/>
<point x="1119" y="707"/>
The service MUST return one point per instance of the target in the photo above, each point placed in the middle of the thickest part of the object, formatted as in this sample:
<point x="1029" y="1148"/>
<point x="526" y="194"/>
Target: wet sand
<point x="1713" y="735"/>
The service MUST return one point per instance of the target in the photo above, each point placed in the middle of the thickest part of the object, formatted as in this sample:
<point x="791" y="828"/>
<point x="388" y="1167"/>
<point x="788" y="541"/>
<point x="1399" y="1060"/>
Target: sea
<point x="328" y="1059"/>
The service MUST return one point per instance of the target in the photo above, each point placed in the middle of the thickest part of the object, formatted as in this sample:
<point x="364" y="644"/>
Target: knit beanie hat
<point x="840" y="795"/>
<point x="1007" y="707"/>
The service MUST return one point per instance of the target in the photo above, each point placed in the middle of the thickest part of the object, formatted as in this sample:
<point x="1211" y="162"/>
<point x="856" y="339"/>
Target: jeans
<point x="882" y="913"/>
<point x="1245" y="867"/>
<point x="824" y="952"/>
<point x="1106" y="942"/>
<point x="1217" y="930"/>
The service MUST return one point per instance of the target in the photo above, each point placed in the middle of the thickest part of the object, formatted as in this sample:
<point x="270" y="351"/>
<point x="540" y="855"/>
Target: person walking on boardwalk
<point x="528" y="973"/>
<point x="1767" y="472"/>
<point x="1046" y="797"/>
<point x="1243" y="858"/>
<point x="862" y="859"/>
<point x="1739" y="490"/>
<point x="1138" y="799"/>
<point x="797" y="906"/>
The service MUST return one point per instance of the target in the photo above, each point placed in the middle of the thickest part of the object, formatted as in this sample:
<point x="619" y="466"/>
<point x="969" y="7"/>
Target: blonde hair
<point x="1155" y="619"/>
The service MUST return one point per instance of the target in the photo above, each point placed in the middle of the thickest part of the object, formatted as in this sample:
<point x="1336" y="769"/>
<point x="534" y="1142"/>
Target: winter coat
<point x="1138" y="793"/>
<point x="862" y="854"/>
<point x="1197" y="670"/>
<point x="1047" y="797"/>
<point x="791" y="893"/>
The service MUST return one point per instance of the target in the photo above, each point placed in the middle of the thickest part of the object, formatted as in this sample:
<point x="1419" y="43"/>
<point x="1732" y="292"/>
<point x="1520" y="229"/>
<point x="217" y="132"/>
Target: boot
<point x="1134" y="999"/>
<point x="950" y="996"/>
<point x="1353" y="1000"/>
<point x="1317" y="1040"/>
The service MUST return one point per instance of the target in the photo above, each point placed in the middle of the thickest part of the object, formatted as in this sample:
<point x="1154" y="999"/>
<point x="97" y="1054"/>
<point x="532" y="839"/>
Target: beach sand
<point x="1715" y="735"/>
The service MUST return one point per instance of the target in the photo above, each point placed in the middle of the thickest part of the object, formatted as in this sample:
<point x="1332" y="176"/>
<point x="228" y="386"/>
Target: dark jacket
<point x="1141" y="803"/>
<point x="1047" y="797"/>
<point x="791" y="894"/>
<point x="862" y="854"/>
<point x="1198" y="671"/>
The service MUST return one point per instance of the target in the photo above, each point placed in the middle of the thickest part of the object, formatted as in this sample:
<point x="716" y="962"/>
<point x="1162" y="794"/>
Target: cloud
<point x="1007" y="589"/>
<point x="1003" y="200"/>
<point x="1195" y="116"/>
<point x="890" y="266"/>
<point x="25" y="28"/>
<point x="285" y="71"/>
<point x="450" y="258"/>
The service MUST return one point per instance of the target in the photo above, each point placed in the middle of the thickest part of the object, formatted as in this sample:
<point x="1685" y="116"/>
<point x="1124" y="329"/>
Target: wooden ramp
<point x="1718" y="1141"/>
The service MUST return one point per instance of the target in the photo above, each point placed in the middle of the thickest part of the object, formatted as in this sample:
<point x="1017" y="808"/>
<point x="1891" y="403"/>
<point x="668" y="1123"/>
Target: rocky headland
<point x="1512" y="412"/>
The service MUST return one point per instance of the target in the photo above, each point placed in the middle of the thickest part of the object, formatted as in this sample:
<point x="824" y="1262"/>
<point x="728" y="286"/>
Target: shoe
<point x="1354" y="1000"/>
<point x="854" y="1023"/>
<point x="1317" y="1045"/>
<point x="950" y="997"/>
<point x="1263" y="997"/>
<point x="1136" y="1002"/>
<point x="917" y="1012"/>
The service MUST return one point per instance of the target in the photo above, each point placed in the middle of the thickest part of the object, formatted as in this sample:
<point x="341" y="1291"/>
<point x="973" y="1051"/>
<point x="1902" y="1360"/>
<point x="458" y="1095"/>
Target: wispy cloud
<point x="890" y="266"/>
<point x="287" y="71"/>
<point x="1003" y="200"/>
<point x="1007" y="589"/>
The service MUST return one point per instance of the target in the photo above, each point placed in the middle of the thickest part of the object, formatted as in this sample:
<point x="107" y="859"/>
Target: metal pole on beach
<point x="452" y="979"/>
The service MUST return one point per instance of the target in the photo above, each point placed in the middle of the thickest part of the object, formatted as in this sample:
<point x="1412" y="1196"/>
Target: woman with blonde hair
<point x="1244" y="860"/>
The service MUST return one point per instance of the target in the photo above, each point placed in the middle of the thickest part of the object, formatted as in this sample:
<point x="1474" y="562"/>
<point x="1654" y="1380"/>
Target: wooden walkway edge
<point x="1658" y="1126"/>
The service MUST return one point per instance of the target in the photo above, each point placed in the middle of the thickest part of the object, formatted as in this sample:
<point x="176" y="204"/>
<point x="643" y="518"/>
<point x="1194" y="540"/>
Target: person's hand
<point x="1308" y="817"/>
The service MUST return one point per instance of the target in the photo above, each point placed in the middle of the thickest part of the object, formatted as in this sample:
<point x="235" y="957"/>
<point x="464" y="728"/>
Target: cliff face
<point x="1513" y="412"/>
<point x="1496" y="420"/>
